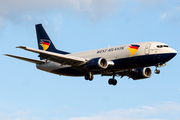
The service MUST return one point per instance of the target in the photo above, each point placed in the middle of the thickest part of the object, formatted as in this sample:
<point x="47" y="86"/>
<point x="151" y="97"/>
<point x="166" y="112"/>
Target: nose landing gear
<point x="156" y="71"/>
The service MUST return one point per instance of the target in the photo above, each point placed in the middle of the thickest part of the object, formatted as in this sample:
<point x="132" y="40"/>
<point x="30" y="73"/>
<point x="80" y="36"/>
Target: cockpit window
<point x="161" y="46"/>
<point x="166" y="46"/>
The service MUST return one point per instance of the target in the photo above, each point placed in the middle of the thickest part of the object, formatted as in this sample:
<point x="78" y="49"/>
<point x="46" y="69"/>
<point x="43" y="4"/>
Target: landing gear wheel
<point x="89" y="77"/>
<point x="86" y="77"/>
<point x="157" y="71"/>
<point x="112" y="81"/>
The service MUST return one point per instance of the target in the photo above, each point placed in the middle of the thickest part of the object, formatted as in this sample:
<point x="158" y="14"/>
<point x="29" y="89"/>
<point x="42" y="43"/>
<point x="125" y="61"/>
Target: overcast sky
<point x="80" y="25"/>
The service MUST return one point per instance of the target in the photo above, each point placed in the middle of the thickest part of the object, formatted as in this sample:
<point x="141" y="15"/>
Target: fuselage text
<point x="110" y="50"/>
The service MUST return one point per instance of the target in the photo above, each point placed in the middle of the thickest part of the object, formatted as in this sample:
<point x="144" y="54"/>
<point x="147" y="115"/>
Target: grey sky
<point x="92" y="7"/>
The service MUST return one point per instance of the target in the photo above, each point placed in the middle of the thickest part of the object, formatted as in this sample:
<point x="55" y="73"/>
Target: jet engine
<point x="141" y="73"/>
<point x="96" y="64"/>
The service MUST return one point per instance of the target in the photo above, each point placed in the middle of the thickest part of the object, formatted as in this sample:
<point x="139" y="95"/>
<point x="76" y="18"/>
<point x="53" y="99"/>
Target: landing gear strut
<point x="156" y="71"/>
<point x="161" y="64"/>
<point x="112" y="81"/>
<point x="89" y="76"/>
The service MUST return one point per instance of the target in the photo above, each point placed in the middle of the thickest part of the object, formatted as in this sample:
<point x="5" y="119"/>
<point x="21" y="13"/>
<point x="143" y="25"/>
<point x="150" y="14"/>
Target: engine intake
<point x="141" y="73"/>
<point x="96" y="64"/>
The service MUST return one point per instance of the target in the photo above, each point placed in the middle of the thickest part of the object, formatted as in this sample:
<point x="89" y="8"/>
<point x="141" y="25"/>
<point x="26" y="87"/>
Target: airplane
<point x="132" y="60"/>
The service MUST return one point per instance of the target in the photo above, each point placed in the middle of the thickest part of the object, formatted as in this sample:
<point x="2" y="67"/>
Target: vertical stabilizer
<point x="44" y="41"/>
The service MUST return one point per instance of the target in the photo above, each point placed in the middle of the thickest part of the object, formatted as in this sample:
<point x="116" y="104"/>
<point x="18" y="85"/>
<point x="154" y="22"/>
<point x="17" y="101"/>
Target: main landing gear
<point x="112" y="81"/>
<point x="89" y="76"/>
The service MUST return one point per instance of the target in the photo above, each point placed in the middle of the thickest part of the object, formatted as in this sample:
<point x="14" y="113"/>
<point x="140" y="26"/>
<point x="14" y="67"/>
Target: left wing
<point x="56" y="57"/>
<point x="26" y="59"/>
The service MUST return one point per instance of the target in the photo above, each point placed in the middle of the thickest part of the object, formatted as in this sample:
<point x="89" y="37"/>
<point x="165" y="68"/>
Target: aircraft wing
<point x="26" y="59"/>
<point x="56" y="57"/>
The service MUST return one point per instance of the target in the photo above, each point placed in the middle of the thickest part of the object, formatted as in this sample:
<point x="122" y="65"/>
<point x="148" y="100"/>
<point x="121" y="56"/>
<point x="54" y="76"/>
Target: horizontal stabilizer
<point x="26" y="59"/>
<point x="56" y="57"/>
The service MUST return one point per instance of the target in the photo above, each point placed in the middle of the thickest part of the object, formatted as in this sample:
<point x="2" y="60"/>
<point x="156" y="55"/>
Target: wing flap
<point x="119" y="73"/>
<point x="60" y="58"/>
<point x="26" y="59"/>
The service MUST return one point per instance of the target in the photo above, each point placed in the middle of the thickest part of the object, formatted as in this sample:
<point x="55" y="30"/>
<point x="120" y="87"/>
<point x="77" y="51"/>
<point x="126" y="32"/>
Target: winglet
<point x="22" y="47"/>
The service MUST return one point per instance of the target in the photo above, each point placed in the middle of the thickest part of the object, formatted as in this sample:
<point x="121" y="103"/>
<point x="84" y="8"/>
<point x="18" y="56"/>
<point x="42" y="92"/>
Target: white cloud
<point x="88" y="6"/>
<point x="20" y="11"/>
<point x="19" y="115"/>
<point x="161" y="111"/>
<point x="179" y="89"/>
<point x="178" y="8"/>
<point x="165" y="111"/>
<point x="58" y="23"/>
<point x="9" y="7"/>
<point x="145" y="2"/>
<point x="35" y="11"/>
<point x="173" y="14"/>
<point x="163" y="16"/>
<point x="155" y="5"/>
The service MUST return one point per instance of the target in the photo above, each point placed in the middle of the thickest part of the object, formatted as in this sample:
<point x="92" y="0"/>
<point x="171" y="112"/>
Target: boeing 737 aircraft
<point x="132" y="60"/>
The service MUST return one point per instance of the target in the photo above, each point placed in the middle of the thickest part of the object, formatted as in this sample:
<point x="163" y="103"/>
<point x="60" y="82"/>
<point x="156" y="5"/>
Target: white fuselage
<point x="120" y="55"/>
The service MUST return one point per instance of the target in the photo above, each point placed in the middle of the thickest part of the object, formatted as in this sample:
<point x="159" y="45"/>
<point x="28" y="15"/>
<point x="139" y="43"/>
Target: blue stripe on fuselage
<point x="124" y="63"/>
<point x="142" y="61"/>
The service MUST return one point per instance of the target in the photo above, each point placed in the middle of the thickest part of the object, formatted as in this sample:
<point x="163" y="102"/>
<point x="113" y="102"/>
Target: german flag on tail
<point x="45" y="44"/>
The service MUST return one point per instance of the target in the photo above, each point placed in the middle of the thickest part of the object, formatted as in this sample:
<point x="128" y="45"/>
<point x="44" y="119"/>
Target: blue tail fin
<point x="44" y="42"/>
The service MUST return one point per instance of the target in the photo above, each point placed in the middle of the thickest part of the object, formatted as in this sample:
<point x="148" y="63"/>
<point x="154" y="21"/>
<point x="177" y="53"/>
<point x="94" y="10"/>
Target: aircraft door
<point x="147" y="49"/>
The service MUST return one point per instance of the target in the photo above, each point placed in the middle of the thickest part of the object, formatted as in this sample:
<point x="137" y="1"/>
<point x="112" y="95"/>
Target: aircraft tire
<point x="110" y="81"/>
<point x="86" y="77"/>
<point x="114" y="82"/>
<point x="91" y="77"/>
<point x="157" y="71"/>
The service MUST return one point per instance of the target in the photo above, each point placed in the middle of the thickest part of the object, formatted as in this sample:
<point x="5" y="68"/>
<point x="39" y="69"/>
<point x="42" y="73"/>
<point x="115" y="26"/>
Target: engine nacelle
<point x="96" y="64"/>
<point x="141" y="73"/>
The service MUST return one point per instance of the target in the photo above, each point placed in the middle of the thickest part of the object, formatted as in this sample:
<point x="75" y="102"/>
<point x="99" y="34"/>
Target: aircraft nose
<point x="173" y="52"/>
